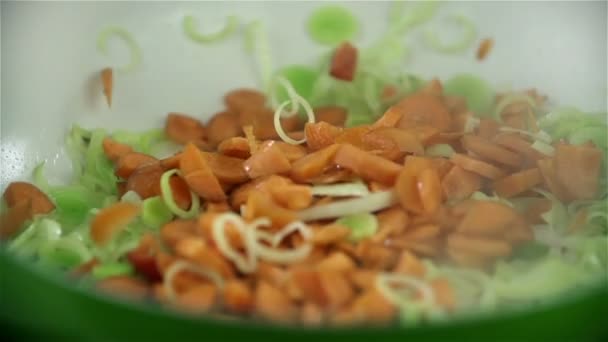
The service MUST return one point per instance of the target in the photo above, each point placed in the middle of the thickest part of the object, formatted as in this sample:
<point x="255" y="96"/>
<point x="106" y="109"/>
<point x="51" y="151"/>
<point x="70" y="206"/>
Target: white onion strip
<point x="357" y="189"/>
<point x="180" y="266"/>
<point x="310" y="115"/>
<point x="386" y="283"/>
<point x="247" y="263"/>
<point x="367" y="204"/>
<point x="284" y="256"/>
<point x="291" y="92"/>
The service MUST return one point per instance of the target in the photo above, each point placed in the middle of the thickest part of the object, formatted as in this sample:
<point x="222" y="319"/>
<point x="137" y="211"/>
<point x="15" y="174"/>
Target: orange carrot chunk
<point x="199" y="176"/>
<point x="459" y="184"/>
<point x="320" y="134"/>
<point x="344" y="62"/>
<point x="114" y="150"/>
<point x="489" y="151"/>
<point x="367" y="165"/>
<point x="332" y="115"/>
<point x="19" y="191"/>
<point x="477" y="166"/>
<point x="107" y="82"/>
<point x="128" y="163"/>
<point x="577" y="168"/>
<point x="112" y="219"/>
<point x="183" y="129"/>
<point x="423" y="110"/>
<point x="268" y="160"/>
<point x="517" y="183"/>
<point x="313" y="164"/>
<point x="222" y="126"/>
<point x="13" y="219"/>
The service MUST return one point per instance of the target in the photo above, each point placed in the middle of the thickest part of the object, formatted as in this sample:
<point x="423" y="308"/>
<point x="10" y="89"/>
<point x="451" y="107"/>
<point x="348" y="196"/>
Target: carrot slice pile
<point x="111" y="220"/>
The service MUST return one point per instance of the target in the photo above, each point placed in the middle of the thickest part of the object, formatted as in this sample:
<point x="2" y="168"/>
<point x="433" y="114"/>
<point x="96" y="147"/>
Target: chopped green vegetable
<point x="362" y="225"/>
<point x="112" y="269"/>
<point x="102" y="45"/>
<point x="190" y="28"/>
<point x="477" y="92"/>
<point x="468" y="36"/>
<point x="155" y="212"/>
<point x="332" y="24"/>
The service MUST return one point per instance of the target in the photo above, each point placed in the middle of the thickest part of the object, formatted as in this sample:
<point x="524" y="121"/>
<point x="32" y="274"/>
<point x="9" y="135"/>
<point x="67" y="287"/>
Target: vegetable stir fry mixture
<point x="344" y="193"/>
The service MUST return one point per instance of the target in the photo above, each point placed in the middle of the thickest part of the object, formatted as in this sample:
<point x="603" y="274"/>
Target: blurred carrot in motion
<point x="107" y="80"/>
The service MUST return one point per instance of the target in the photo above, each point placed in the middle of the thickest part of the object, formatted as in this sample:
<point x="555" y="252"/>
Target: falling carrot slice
<point x="112" y="219"/>
<point x="107" y="79"/>
<point x="484" y="48"/>
<point x="518" y="182"/>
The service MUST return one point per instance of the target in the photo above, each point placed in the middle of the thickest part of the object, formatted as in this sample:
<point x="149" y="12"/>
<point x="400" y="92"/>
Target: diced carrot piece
<point x="206" y="256"/>
<point x="198" y="299"/>
<point x="390" y="222"/>
<point x="336" y="262"/>
<point x="433" y="87"/>
<point x="176" y="230"/>
<point x="337" y="288"/>
<point x="272" y="303"/>
<point x="291" y="152"/>
<point x="268" y="160"/>
<point x="519" y="145"/>
<point x="488" y="128"/>
<point x="517" y="183"/>
<point x="467" y="258"/>
<point x="314" y="164"/>
<point x="390" y="118"/>
<point x="344" y="62"/>
<point x="363" y="279"/>
<point x="124" y="287"/>
<point x="241" y="99"/>
<point x="353" y="136"/>
<point x="309" y="284"/>
<point x="321" y="134"/>
<point x="171" y="162"/>
<point x="422" y="232"/>
<point x="403" y="140"/>
<point x="145" y="180"/>
<point x="477" y="166"/>
<point x="535" y="209"/>
<point x="443" y="293"/>
<point x="199" y="175"/>
<point x="410" y="265"/>
<point x="128" y="163"/>
<point x="294" y="197"/>
<point x="407" y="183"/>
<point x="222" y="126"/>
<point x="114" y="150"/>
<point x="333" y="115"/>
<point x="228" y="170"/>
<point x="237" y="147"/>
<point x="143" y="258"/>
<point x="330" y="234"/>
<point x="376" y="256"/>
<point x="260" y="204"/>
<point x="13" y="219"/>
<point x="311" y="314"/>
<point x="367" y="165"/>
<point x="577" y="168"/>
<point x="484" y="48"/>
<point x="107" y="81"/>
<point x="490" y="151"/>
<point x="183" y="129"/>
<point x="238" y="297"/>
<point x="423" y="109"/>
<point x="429" y="188"/>
<point x="112" y="219"/>
<point x="488" y="218"/>
<point x="459" y="183"/>
<point x="39" y="202"/>
<point x="483" y="246"/>
<point x="373" y="307"/>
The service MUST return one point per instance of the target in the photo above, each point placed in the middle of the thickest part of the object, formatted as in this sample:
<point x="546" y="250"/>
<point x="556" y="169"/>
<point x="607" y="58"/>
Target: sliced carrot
<point x="535" y="209"/>
<point x="237" y="147"/>
<point x="406" y="141"/>
<point x="268" y="160"/>
<point x="335" y="175"/>
<point x="476" y="166"/>
<point x="484" y="48"/>
<point x="294" y="197"/>
<point x="459" y="184"/>
<point x="519" y="145"/>
<point x="577" y="168"/>
<point x="456" y="105"/>
<point x="241" y="99"/>
<point x="337" y="288"/>
<point x="272" y="303"/>
<point x="291" y="152"/>
<point x="107" y="81"/>
<point x="251" y="140"/>
<point x="14" y="218"/>
<point x="183" y="129"/>
<point x="238" y="297"/>
<point x="375" y="256"/>
<point x="407" y="183"/>
<point x="330" y="234"/>
<point x="222" y="126"/>
<point x="363" y="279"/>
<point x="410" y="265"/>
<point x="311" y="314"/>
<point x="390" y="118"/>
<point x="19" y="191"/>
<point x="423" y="110"/>
<point x="143" y="258"/>
<point x="206" y="256"/>
<point x="309" y="285"/>
<point x="260" y="204"/>
<point x="489" y="151"/>
<point x="372" y="306"/>
<point x="320" y="135"/>
<point x="488" y="128"/>
<point x="313" y="164"/>
<point x="145" y="180"/>
<point x="429" y="188"/>
<point x="344" y="62"/>
<point x="128" y="163"/>
<point x="391" y="221"/>
<point x="467" y="258"/>
<point x="444" y="294"/>
<point x="198" y="299"/>
<point x="332" y="115"/>
<point x="433" y="87"/>
<point x="114" y="150"/>
<point x="176" y="230"/>
<point x="353" y="136"/>
<point x="199" y="176"/>
<point x="488" y="218"/>
<point x="483" y="246"/>
<point x="547" y="170"/>
<point x="422" y="232"/>
<point x="110" y="220"/>
<point x="517" y="183"/>
<point x="367" y="165"/>
<point x="171" y="162"/>
<point x="272" y="274"/>
<point x="228" y="170"/>
<point x="337" y="262"/>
